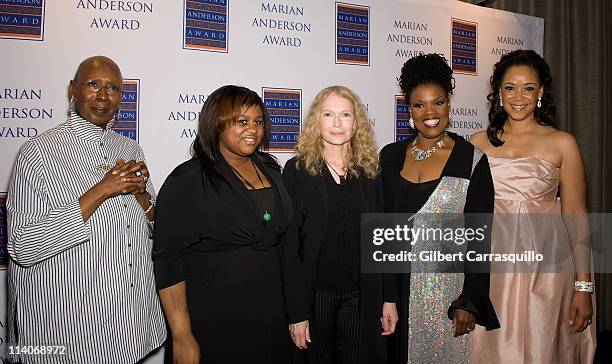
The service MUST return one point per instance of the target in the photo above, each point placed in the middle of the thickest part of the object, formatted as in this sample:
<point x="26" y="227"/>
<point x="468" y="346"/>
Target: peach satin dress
<point x="532" y="301"/>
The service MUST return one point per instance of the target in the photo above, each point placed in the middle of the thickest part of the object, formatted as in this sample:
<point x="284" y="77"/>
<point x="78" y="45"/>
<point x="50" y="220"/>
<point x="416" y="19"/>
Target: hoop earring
<point x="539" y="104"/>
<point x="501" y="103"/>
<point x="411" y="122"/>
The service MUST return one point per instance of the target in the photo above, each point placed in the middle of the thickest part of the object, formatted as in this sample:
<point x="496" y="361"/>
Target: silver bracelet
<point x="583" y="286"/>
<point x="151" y="205"/>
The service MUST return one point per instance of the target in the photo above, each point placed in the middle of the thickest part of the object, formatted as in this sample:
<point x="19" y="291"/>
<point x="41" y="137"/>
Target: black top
<point x="192" y="216"/>
<point x="338" y="268"/>
<point x="263" y="198"/>
<point x="412" y="196"/>
<point x="480" y="195"/>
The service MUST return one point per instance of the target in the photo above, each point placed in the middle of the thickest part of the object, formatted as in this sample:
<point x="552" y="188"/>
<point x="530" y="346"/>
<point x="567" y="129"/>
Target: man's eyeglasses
<point x="96" y="87"/>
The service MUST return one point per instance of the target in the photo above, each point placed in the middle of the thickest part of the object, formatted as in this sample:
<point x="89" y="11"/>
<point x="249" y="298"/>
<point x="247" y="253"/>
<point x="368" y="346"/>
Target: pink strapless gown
<point x="533" y="306"/>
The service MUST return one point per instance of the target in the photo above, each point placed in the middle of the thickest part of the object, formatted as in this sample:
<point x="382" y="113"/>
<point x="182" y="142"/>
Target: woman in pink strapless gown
<point x="532" y="307"/>
<point x="543" y="318"/>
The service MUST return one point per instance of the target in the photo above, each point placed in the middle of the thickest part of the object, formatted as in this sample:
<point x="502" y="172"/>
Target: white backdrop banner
<point x="174" y="53"/>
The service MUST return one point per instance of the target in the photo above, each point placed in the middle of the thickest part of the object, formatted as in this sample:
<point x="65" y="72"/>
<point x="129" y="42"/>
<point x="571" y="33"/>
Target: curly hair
<point x="545" y="115"/>
<point x="426" y="69"/>
<point x="362" y="152"/>
<point x="220" y="110"/>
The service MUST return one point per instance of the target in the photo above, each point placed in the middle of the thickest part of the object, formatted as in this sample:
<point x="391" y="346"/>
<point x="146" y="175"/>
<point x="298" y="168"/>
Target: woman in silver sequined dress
<point x="430" y="174"/>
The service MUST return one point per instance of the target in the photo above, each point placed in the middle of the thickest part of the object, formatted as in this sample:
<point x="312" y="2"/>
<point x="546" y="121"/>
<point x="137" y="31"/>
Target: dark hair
<point x="220" y="110"/>
<point x="426" y="69"/>
<point x="545" y="115"/>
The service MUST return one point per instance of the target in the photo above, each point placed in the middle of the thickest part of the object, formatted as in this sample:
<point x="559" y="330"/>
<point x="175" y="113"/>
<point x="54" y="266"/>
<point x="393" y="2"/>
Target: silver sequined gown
<point x="430" y="332"/>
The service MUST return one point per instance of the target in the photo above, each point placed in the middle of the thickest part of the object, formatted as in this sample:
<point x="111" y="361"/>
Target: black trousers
<point x="336" y="327"/>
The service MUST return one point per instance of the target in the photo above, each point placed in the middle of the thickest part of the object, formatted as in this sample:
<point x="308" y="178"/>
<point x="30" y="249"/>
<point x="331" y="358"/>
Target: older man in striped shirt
<point x="81" y="287"/>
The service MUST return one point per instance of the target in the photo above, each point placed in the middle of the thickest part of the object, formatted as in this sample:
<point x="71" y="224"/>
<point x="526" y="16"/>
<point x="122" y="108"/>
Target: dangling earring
<point x="539" y="104"/>
<point x="501" y="103"/>
<point x="71" y="106"/>
<point x="411" y="122"/>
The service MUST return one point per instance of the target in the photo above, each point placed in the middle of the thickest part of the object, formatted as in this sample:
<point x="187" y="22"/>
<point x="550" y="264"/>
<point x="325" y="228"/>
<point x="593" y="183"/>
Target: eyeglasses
<point x="93" y="86"/>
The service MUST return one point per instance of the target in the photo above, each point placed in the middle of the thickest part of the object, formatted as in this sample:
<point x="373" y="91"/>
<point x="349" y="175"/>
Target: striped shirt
<point x="89" y="285"/>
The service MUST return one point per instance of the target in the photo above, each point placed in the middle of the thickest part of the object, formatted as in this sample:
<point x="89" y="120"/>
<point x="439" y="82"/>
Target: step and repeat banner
<point x="172" y="54"/>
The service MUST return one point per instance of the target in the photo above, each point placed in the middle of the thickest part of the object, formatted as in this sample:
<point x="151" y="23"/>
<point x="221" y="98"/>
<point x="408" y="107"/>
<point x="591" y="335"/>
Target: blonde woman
<point x="336" y="314"/>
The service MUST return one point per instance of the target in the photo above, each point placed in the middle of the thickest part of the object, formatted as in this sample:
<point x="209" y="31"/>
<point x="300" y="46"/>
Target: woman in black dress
<point x="216" y="250"/>
<point x="339" y="315"/>
<point x="433" y="175"/>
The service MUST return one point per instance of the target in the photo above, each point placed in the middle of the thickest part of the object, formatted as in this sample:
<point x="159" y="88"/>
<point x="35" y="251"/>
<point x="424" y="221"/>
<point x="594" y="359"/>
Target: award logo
<point x="352" y="34"/>
<point x="127" y="121"/>
<point x="205" y="25"/>
<point x="285" y="108"/>
<point x="464" y="46"/>
<point x="21" y="19"/>
<point x="402" y="128"/>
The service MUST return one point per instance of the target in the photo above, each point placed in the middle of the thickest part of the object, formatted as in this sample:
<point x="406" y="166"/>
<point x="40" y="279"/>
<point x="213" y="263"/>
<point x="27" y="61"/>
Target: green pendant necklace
<point x="266" y="216"/>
